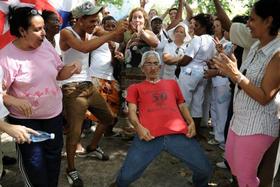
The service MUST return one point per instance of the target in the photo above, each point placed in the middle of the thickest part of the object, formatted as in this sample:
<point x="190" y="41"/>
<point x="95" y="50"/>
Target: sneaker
<point x="96" y="153"/>
<point x="74" y="179"/>
<point x="112" y="135"/>
<point x="221" y="165"/>
<point x="213" y="142"/>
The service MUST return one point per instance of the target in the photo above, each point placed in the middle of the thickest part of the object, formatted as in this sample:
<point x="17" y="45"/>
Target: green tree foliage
<point x="117" y="3"/>
<point x="202" y="5"/>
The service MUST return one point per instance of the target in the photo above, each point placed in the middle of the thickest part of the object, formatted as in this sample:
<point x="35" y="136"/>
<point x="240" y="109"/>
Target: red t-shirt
<point x="158" y="106"/>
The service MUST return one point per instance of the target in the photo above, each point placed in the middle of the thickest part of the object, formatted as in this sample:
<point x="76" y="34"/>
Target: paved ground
<point x="165" y="171"/>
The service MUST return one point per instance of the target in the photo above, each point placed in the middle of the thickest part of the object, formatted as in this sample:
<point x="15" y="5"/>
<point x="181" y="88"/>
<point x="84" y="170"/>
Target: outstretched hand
<point x="20" y="133"/>
<point x="122" y="26"/>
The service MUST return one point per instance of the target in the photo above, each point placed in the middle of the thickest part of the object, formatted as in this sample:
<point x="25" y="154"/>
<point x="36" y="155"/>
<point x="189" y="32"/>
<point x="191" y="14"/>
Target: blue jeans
<point x="142" y="153"/>
<point x="39" y="163"/>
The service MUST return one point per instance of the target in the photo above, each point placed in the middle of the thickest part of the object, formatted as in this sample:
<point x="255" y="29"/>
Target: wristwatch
<point x="240" y="77"/>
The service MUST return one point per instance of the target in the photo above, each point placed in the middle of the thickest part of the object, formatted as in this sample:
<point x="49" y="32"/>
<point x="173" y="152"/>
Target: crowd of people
<point x="169" y="78"/>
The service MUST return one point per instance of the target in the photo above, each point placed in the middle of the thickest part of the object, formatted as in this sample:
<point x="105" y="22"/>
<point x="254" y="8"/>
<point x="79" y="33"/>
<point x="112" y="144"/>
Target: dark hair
<point x="266" y="8"/>
<point x="206" y="21"/>
<point x="240" y="19"/>
<point x="174" y="8"/>
<point x="20" y="17"/>
<point x="46" y="14"/>
<point x="107" y="18"/>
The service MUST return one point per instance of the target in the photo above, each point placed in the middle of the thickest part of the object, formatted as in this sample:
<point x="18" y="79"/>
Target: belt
<point x="80" y="85"/>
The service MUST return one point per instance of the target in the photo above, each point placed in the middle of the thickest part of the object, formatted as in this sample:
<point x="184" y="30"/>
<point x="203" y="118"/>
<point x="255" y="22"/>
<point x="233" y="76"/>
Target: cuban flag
<point x="5" y="36"/>
<point x="64" y="8"/>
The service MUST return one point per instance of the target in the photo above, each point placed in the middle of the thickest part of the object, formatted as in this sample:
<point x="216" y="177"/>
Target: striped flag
<point x="64" y="8"/>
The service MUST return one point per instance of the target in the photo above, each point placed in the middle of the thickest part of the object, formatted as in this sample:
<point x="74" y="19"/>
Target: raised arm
<point x="188" y="10"/>
<point x="221" y="14"/>
<point x="178" y="18"/>
<point x="69" y="40"/>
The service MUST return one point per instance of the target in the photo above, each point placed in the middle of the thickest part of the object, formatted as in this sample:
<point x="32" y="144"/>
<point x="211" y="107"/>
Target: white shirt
<point x="172" y="49"/>
<point x="100" y="66"/>
<point x="3" y="110"/>
<point x="200" y="49"/>
<point x="249" y="116"/>
<point x="163" y="41"/>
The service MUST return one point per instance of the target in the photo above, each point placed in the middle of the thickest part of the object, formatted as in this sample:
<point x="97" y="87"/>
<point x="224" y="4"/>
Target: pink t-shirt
<point x="158" y="106"/>
<point x="31" y="75"/>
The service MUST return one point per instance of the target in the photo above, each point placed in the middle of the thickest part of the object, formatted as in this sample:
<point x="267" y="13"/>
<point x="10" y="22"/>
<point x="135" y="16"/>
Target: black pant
<point x="39" y="162"/>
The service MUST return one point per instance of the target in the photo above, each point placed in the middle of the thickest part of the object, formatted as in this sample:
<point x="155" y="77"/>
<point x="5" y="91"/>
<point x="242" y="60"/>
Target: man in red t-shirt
<point x="163" y="123"/>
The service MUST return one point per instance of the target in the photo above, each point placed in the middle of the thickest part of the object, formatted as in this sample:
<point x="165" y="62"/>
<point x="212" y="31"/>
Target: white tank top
<point x="71" y="55"/>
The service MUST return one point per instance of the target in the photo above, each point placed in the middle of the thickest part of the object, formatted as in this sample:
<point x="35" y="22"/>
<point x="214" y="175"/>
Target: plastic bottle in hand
<point x="43" y="136"/>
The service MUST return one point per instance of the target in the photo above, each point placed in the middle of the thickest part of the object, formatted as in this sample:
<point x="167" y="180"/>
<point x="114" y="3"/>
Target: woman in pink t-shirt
<point x="31" y="68"/>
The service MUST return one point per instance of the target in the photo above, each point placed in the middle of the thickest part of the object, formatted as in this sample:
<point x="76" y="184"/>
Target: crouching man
<point x="163" y="123"/>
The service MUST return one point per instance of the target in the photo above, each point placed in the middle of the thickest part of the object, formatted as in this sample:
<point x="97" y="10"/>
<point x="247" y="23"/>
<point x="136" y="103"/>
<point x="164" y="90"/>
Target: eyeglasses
<point x="34" y="12"/>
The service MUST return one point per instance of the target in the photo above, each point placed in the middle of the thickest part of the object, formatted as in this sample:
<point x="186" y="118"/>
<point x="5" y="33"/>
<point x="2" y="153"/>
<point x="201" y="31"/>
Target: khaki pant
<point x="78" y="97"/>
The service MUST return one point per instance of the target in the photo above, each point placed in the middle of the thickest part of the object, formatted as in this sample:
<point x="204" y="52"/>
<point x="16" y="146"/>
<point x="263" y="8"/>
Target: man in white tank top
<point x="79" y="94"/>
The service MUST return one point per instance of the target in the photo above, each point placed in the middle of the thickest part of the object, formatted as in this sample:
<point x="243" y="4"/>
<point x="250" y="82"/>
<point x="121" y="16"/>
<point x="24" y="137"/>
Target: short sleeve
<point x="10" y="71"/>
<point x="58" y="62"/>
<point x="132" y="94"/>
<point x="193" y="47"/>
<point x="168" y="49"/>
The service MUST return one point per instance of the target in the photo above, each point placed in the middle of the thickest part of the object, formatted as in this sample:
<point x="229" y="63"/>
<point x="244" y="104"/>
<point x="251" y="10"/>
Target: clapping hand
<point x="227" y="65"/>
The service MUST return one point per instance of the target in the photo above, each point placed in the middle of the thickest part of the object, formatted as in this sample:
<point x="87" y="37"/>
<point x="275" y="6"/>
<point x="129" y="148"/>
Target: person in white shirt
<point x="200" y="50"/>
<point x="221" y="93"/>
<point x="101" y="71"/>
<point x="162" y="35"/>
<point x="173" y="52"/>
